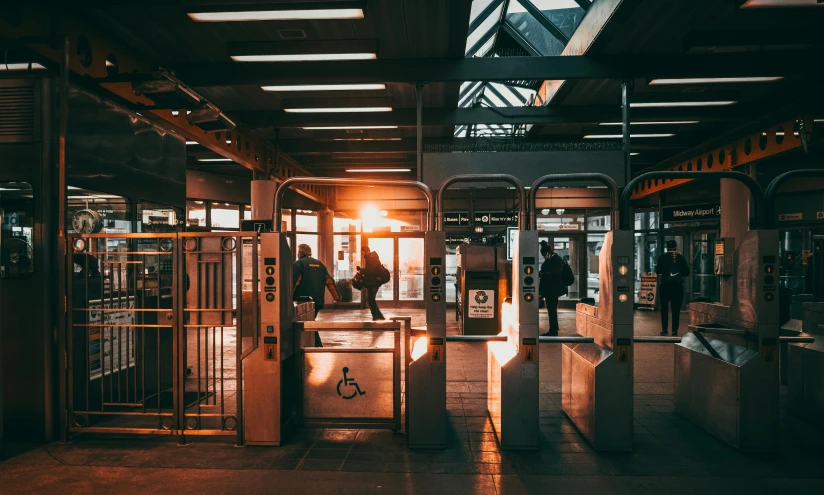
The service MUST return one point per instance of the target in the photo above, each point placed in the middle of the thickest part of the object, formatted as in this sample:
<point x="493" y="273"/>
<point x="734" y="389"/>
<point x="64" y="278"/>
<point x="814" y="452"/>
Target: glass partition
<point x="152" y="217"/>
<point x="17" y="233"/>
<point x="411" y="269"/>
<point x="91" y="212"/>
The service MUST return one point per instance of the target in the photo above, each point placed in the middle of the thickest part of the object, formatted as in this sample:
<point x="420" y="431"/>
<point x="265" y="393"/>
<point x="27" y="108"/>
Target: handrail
<point x="476" y="338"/>
<point x="602" y="178"/>
<point x="755" y="190"/>
<point x="511" y="179"/>
<point x="277" y="214"/>
<point x="772" y="190"/>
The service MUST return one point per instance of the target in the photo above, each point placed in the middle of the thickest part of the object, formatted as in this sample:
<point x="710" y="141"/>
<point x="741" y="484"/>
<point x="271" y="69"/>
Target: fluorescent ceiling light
<point x="349" y="127"/>
<point x="818" y="120"/>
<point x="367" y="139"/>
<point x="675" y="122"/>
<point x="381" y="170"/>
<point x="189" y="143"/>
<point x="714" y="80"/>
<point x="338" y="110"/>
<point x="304" y="57"/>
<point x="214" y="159"/>
<point x="21" y="66"/>
<point x="326" y="87"/>
<point x="781" y="3"/>
<point x="655" y="104"/>
<point x="635" y="153"/>
<point x="276" y="15"/>
<point x="619" y="136"/>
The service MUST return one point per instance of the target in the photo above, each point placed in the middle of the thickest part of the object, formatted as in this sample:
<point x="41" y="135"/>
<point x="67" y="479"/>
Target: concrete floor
<point x="670" y="454"/>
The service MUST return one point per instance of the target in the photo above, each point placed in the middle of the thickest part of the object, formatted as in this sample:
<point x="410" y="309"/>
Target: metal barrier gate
<point x="153" y="343"/>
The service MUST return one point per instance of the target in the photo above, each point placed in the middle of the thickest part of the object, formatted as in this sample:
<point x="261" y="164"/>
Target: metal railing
<point x="510" y="179"/>
<point x="602" y="178"/>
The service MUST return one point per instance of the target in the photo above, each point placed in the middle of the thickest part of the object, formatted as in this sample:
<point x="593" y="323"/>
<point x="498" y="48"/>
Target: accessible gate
<point x="156" y="331"/>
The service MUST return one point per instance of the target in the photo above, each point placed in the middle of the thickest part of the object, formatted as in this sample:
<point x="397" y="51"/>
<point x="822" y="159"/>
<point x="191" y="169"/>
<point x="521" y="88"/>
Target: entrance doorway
<point x="402" y="254"/>
<point x="570" y="247"/>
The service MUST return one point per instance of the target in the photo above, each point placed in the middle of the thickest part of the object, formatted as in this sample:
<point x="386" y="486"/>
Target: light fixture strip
<point x="326" y="87"/>
<point x="305" y="57"/>
<point x="714" y="80"/>
<point x="676" y="122"/>
<point x="661" y="104"/>
<point x="277" y="15"/>
<point x="214" y="159"/>
<point x="378" y="170"/>
<point x="620" y="136"/>
<point x="338" y="110"/>
<point x="349" y="127"/>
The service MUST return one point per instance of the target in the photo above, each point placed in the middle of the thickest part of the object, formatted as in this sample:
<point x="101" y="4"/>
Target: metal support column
<point x="419" y="129"/>
<point x="626" y="97"/>
<point x="61" y="237"/>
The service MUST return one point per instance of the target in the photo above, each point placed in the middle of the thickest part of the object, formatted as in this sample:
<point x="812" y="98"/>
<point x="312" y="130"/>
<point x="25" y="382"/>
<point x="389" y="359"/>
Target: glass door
<point x="402" y="254"/>
<point x="705" y="283"/>
<point x="570" y="248"/>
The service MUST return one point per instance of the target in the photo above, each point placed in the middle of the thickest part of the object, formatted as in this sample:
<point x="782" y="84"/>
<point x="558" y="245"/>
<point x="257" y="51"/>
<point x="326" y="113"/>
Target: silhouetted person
<point x="672" y="269"/>
<point x="374" y="275"/>
<point x="550" y="284"/>
<point x="309" y="277"/>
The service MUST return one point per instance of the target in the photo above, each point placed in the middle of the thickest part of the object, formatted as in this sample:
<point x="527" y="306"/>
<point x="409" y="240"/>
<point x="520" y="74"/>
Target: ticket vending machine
<point x="270" y="372"/>
<point x="426" y="395"/>
<point x="513" y="373"/>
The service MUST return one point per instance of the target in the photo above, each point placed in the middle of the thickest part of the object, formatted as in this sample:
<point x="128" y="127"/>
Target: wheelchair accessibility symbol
<point x="349" y="382"/>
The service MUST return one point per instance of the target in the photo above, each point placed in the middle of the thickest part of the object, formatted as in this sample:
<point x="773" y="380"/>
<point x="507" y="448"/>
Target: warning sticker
<point x="481" y="304"/>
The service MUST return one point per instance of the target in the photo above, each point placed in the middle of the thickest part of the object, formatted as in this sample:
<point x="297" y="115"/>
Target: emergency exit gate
<point x="153" y="340"/>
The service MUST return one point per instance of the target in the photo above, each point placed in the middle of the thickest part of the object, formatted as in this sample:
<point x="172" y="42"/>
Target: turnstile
<point x="597" y="376"/>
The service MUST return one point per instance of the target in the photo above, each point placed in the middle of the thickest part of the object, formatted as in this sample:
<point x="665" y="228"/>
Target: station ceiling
<point x="490" y="68"/>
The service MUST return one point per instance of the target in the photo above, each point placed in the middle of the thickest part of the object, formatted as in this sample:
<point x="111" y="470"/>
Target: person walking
<point x="309" y="277"/>
<point x="671" y="268"/>
<point x="550" y="284"/>
<point x="374" y="275"/>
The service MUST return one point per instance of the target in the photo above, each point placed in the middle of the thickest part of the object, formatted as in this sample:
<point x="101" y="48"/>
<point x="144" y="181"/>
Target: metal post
<point x="63" y="127"/>
<point x="419" y="129"/>
<point x="626" y="95"/>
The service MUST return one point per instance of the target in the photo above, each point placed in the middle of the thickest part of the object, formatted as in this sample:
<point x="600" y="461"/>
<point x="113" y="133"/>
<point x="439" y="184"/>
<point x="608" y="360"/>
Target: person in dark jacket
<point x="309" y="277"/>
<point x="372" y="281"/>
<point x="550" y="285"/>
<point x="672" y="269"/>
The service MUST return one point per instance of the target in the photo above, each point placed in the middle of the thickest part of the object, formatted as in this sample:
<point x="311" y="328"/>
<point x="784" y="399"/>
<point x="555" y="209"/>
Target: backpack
<point x="567" y="277"/>
<point x="382" y="275"/>
<point x="675" y="272"/>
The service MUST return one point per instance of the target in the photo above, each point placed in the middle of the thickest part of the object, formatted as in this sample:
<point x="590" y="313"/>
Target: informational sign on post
<point x="648" y="291"/>
<point x="111" y="346"/>
<point x="481" y="304"/>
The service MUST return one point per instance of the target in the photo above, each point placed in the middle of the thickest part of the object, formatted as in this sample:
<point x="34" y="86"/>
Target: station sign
<point x="690" y="212"/>
<point x="493" y="219"/>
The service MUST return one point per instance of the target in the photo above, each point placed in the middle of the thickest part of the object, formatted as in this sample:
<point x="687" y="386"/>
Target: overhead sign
<point x="790" y="217"/>
<point x="691" y="212"/>
<point x="494" y="219"/>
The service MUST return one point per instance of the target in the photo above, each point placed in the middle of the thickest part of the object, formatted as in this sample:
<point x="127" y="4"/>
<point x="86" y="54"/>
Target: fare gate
<point x="153" y="341"/>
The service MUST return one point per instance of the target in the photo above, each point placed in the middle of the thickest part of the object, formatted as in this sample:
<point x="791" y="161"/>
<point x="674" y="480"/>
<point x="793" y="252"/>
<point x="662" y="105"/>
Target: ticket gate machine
<point x="270" y="378"/>
<point x="597" y="377"/>
<point x="512" y="383"/>
<point x="272" y="373"/>
<point x="728" y="383"/>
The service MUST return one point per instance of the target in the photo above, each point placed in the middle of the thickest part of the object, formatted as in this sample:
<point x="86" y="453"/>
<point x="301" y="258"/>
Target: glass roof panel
<point x="483" y="29"/>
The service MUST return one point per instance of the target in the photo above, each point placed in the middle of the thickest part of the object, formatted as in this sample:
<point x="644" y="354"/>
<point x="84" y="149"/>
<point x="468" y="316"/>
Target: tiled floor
<point x="670" y="454"/>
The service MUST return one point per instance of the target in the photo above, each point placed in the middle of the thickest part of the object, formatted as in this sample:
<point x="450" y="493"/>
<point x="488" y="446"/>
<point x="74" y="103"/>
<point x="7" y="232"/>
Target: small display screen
<point x="769" y="259"/>
<point x="270" y="261"/>
<point x="529" y="260"/>
<point x="435" y="261"/>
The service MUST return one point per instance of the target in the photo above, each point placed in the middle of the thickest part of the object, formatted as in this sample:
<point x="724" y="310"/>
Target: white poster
<point x="481" y="304"/>
<point x="118" y="346"/>
<point x="648" y="292"/>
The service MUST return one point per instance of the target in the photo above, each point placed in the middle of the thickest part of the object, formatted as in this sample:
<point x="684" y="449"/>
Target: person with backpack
<point x="373" y="275"/>
<point x="671" y="268"/>
<point x="554" y="278"/>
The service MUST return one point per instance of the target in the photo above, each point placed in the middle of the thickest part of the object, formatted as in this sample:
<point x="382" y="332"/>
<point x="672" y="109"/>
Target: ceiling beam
<point x="499" y="69"/>
<point x="567" y="114"/>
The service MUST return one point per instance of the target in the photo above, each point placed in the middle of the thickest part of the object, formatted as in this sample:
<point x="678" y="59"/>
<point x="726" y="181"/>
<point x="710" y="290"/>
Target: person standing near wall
<point x="550" y="284"/>
<point x="672" y="269"/>
<point x="309" y="277"/>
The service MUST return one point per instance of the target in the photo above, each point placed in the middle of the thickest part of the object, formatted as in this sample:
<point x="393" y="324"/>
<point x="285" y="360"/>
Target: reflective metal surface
<point x="727" y="377"/>
<point x="597" y="378"/>
<point x="805" y="368"/>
